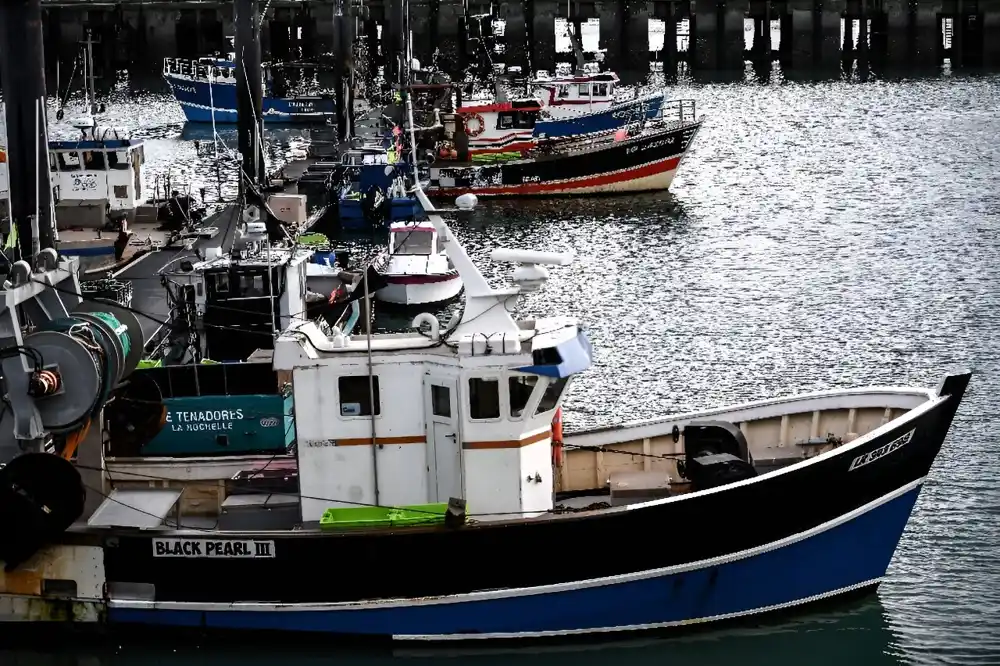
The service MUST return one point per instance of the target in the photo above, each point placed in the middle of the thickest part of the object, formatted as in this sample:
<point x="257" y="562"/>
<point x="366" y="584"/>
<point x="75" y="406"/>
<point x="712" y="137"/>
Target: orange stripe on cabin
<point x="509" y="443"/>
<point x="366" y="441"/>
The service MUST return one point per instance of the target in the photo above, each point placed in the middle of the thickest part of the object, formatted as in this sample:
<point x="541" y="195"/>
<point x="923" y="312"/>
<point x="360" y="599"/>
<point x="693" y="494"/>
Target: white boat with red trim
<point x="416" y="267"/>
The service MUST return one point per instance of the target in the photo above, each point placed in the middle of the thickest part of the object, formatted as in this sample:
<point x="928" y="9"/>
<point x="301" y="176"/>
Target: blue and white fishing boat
<point x="206" y="87"/>
<point x="370" y="194"/>
<point x="589" y="103"/>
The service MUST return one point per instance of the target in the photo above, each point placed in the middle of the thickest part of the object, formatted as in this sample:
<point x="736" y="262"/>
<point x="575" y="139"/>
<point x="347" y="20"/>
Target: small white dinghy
<point x="416" y="267"/>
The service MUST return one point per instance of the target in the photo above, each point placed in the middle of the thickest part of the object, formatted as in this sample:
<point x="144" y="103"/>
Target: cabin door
<point x="444" y="450"/>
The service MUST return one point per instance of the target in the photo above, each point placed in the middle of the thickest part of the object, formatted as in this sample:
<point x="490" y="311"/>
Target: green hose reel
<point x="91" y="351"/>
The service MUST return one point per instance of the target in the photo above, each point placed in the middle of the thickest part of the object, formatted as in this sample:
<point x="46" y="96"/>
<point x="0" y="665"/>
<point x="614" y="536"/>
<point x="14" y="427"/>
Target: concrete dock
<point x="711" y="35"/>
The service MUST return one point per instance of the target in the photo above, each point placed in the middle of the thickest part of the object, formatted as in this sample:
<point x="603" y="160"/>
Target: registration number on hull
<point x="213" y="548"/>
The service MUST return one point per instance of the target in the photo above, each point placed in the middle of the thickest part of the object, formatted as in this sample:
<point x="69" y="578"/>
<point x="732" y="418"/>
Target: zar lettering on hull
<point x="881" y="452"/>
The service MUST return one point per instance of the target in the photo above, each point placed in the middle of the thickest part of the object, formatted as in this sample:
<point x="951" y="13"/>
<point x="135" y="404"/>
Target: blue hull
<point x="89" y="251"/>
<point x="199" y="98"/>
<point x="352" y="215"/>
<point x="842" y="556"/>
<point x="604" y="121"/>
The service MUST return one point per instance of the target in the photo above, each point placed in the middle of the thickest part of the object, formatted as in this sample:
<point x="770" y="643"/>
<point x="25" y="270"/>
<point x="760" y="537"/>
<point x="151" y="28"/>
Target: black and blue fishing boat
<point x="421" y="457"/>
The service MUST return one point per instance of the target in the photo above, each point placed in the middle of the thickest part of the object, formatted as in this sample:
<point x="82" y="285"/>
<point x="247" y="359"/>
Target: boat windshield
<point x="412" y="242"/>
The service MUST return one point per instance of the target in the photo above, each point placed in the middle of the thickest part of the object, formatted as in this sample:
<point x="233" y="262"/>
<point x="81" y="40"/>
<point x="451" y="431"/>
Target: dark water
<point x="820" y="235"/>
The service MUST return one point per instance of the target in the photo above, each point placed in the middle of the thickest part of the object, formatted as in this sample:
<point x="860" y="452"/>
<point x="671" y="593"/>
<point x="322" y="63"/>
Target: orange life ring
<point x="480" y="122"/>
<point x="557" y="438"/>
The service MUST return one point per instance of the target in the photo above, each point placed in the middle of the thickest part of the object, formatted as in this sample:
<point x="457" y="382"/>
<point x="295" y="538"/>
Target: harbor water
<point x="826" y="234"/>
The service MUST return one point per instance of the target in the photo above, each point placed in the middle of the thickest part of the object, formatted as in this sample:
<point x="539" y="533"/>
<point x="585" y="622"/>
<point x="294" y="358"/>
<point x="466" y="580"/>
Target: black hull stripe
<point x="531" y="591"/>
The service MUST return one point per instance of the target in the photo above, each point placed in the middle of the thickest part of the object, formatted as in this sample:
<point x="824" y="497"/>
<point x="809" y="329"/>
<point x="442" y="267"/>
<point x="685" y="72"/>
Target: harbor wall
<point x="700" y="35"/>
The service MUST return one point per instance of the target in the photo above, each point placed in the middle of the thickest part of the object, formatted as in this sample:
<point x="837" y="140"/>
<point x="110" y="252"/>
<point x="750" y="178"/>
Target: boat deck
<point x="148" y="295"/>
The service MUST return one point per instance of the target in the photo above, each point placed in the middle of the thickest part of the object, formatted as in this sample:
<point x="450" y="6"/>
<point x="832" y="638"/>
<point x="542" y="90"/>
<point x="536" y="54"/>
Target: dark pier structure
<point x="708" y="35"/>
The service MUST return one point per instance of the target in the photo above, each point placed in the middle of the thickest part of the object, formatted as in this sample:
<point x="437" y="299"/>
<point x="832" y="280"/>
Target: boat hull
<point x="642" y="164"/>
<point x="835" y="535"/>
<point x="198" y="100"/>
<point x="848" y="554"/>
<point x="420" y="289"/>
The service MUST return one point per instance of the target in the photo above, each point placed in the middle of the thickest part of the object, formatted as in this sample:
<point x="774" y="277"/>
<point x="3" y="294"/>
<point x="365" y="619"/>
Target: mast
<point x="22" y="69"/>
<point x="249" y="95"/>
<point x="343" y="72"/>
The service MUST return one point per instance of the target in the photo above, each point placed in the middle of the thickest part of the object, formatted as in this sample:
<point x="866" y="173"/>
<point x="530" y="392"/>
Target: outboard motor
<point x="716" y="453"/>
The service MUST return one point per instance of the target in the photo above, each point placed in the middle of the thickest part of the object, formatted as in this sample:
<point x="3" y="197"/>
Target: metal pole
<point x="371" y="386"/>
<point x="249" y="92"/>
<point x="22" y="69"/>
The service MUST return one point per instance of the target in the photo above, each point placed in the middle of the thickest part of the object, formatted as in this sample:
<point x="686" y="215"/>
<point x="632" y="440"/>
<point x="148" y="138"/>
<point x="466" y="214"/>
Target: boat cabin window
<point x="520" y="388"/>
<point x="93" y="160"/>
<point x="583" y="90"/>
<point x="53" y="162"/>
<point x="252" y="286"/>
<point x="562" y="91"/>
<point x="440" y="401"/>
<point x="516" y="120"/>
<point x="220" y="283"/>
<point x="600" y="90"/>
<point x="484" y="398"/>
<point x="118" y="159"/>
<point x="551" y="395"/>
<point x="412" y="242"/>
<point x="356" y="395"/>
<point x="68" y="161"/>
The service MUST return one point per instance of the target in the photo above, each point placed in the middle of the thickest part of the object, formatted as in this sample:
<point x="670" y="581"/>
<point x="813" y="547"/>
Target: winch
<point x="57" y="379"/>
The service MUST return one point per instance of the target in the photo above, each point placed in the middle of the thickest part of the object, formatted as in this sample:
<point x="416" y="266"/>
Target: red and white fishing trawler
<point x="642" y="156"/>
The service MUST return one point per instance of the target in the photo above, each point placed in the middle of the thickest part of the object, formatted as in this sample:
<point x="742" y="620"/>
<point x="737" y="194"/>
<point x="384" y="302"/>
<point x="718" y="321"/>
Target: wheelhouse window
<point x="484" y="398"/>
<point x="356" y="395"/>
<point x="551" y="395"/>
<point x="118" y="159"/>
<point x="600" y="90"/>
<point x="93" y="160"/>
<point x="583" y="90"/>
<point x="562" y="91"/>
<point x="516" y="120"/>
<point x="520" y="388"/>
<point x="412" y="242"/>
<point x="68" y="161"/>
<point x="221" y="283"/>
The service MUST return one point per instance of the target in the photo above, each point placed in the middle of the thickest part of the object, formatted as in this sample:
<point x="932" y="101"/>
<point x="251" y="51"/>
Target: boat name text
<point x="211" y="419"/>
<point x="881" y="452"/>
<point x="242" y="549"/>
<point x="652" y="144"/>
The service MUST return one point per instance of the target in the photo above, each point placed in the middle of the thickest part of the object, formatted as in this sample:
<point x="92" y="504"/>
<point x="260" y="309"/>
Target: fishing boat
<point x="420" y="456"/>
<point x="96" y="185"/>
<point x="416" y="267"/>
<point x="589" y="103"/>
<point x="640" y="157"/>
<point x="372" y="192"/>
<point x="205" y="88"/>
<point x="471" y="468"/>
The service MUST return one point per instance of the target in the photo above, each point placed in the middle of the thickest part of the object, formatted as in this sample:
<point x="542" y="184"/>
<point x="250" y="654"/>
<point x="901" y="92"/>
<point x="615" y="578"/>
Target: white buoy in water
<point x="466" y="201"/>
